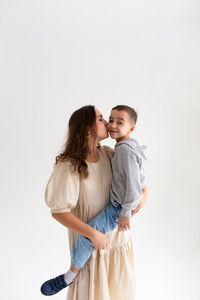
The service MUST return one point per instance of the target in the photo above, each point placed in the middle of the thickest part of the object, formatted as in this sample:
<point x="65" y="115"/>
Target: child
<point x="128" y="181"/>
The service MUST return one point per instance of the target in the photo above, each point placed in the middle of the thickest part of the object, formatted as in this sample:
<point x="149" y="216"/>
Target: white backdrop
<point x="59" y="55"/>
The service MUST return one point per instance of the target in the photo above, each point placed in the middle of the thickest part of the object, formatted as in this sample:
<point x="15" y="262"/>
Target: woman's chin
<point x="105" y="137"/>
<point x="112" y="136"/>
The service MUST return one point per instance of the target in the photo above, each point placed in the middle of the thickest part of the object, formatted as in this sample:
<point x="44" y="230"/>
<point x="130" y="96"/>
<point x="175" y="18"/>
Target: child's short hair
<point x="132" y="113"/>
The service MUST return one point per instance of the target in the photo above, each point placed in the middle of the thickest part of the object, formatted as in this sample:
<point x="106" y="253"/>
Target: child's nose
<point x="112" y="125"/>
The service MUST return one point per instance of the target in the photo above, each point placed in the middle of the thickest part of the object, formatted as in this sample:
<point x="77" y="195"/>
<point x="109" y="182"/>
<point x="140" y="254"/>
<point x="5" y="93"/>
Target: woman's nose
<point x="105" y="122"/>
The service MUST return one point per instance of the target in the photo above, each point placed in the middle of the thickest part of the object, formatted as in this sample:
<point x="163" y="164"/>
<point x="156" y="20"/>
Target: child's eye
<point x="110" y="121"/>
<point x="119" y="123"/>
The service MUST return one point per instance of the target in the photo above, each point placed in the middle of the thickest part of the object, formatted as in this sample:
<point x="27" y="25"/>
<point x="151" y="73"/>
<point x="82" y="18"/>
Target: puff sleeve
<point x="62" y="190"/>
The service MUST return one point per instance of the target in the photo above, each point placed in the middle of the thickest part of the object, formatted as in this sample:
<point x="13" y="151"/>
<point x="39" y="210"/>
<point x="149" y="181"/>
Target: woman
<point x="77" y="190"/>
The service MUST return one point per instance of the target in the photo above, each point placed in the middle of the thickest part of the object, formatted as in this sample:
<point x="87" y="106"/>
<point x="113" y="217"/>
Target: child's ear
<point x="132" y="128"/>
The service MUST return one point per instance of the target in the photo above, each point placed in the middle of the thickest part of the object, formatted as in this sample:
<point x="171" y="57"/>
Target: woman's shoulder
<point x="106" y="150"/>
<point x="62" y="164"/>
<point x="64" y="168"/>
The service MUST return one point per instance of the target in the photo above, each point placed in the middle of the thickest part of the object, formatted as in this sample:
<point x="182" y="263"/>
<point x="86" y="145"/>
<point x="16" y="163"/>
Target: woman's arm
<point x="142" y="201"/>
<point x="98" y="239"/>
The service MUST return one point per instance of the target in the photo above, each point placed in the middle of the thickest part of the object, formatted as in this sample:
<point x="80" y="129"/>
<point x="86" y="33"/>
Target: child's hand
<point x="124" y="223"/>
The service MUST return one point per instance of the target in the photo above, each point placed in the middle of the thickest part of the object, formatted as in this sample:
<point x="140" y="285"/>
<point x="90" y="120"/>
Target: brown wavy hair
<point x="76" y="147"/>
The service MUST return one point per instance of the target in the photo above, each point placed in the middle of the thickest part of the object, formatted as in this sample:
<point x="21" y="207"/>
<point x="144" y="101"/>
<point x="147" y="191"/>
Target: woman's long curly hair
<point x="76" y="147"/>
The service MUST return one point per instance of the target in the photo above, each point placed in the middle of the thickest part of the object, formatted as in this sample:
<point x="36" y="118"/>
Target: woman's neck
<point x="93" y="155"/>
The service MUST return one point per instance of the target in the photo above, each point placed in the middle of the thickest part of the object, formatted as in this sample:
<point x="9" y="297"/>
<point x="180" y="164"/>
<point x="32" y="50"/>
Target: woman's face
<point x="101" y="126"/>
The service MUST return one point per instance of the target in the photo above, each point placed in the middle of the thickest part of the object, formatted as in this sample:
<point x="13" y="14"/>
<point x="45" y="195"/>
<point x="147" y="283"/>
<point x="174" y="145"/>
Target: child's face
<point x="120" y="125"/>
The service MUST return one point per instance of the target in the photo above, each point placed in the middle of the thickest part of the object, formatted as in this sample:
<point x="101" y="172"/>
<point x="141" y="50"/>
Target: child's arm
<point x="142" y="201"/>
<point x="124" y="223"/>
<point x="128" y="165"/>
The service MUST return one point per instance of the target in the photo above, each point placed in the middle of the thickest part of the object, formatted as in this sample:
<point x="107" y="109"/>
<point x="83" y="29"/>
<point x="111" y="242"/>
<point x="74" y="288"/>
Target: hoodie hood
<point x="140" y="150"/>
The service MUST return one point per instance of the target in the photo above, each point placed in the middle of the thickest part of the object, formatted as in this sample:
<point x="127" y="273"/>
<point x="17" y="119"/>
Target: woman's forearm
<point x="72" y="222"/>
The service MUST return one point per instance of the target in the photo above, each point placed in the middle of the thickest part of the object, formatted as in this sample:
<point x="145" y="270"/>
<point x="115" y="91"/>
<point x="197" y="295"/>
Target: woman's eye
<point x="100" y="119"/>
<point x="110" y="121"/>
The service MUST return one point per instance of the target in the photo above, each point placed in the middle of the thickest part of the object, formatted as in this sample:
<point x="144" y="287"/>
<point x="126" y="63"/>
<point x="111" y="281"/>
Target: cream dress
<point x="109" y="273"/>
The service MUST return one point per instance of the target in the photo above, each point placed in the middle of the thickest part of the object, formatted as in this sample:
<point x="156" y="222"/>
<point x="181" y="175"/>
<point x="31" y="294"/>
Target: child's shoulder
<point x="123" y="148"/>
<point x="125" y="151"/>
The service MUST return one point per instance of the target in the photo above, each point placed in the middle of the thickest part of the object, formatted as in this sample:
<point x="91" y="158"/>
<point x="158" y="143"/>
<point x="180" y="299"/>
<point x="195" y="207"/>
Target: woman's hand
<point x="99" y="240"/>
<point x="142" y="201"/>
<point x="124" y="223"/>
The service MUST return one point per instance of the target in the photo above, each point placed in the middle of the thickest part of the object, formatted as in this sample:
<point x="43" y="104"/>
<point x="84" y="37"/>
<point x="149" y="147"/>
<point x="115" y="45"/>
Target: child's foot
<point x="55" y="285"/>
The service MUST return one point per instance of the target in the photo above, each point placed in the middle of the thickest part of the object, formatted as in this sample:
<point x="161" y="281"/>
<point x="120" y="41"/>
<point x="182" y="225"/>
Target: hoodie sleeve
<point x="131" y="170"/>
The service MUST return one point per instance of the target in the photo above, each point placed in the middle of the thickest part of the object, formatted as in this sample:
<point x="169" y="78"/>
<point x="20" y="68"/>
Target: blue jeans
<point x="105" y="221"/>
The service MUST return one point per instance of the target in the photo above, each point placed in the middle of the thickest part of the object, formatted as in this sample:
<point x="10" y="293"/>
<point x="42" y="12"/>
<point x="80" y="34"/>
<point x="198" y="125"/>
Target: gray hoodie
<point x="128" y="177"/>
